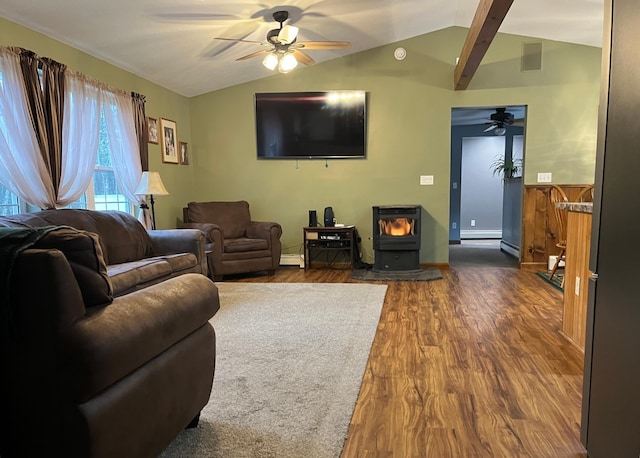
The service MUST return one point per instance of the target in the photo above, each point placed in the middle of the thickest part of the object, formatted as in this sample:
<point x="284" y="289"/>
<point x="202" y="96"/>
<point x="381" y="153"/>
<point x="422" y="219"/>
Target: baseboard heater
<point x="480" y="234"/>
<point x="292" y="260"/>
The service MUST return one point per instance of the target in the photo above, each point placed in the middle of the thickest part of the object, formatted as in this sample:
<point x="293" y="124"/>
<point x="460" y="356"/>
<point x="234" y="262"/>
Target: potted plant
<point x="505" y="167"/>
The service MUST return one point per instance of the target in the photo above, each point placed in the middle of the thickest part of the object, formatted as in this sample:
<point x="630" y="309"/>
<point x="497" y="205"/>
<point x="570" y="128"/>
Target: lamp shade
<point x="151" y="183"/>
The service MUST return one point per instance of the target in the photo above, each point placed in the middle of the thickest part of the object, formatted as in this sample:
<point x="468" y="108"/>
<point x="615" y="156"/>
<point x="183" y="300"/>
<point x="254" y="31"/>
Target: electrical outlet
<point x="454" y="225"/>
<point x="455" y="185"/>
<point x="473" y="223"/>
<point x="426" y="180"/>
<point x="544" y="177"/>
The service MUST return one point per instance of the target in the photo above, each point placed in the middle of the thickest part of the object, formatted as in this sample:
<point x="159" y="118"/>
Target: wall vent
<point x="531" y="57"/>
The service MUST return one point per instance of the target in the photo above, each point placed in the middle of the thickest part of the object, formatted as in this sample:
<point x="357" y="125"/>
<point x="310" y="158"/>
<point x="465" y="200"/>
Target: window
<point x="103" y="192"/>
<point x="9" y="203"/>
<point x="106" y="195"/>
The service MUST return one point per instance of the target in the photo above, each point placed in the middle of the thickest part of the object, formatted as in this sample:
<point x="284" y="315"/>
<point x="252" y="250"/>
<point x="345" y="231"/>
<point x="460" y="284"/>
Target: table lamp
<point x="150" y="184"/>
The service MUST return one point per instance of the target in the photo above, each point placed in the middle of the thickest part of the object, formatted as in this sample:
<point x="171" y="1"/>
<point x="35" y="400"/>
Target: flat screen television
<point x="311" y="125"/>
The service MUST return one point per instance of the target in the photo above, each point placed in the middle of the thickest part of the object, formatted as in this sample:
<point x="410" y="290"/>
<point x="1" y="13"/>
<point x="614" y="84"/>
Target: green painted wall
<point x="161" y="102"/>
<point x="409" y="118"/>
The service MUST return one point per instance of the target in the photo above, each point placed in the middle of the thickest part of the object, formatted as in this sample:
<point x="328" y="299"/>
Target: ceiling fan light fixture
<point x="287" y="34"/>
<point x="270" y="61"/>
<point x="287" y="63"/>
<point x="500" y="131"/>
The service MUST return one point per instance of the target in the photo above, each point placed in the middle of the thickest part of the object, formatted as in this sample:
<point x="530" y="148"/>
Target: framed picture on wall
<point x="152" y="127"/>
<point x="184" y="153"/>
<point x="169" y="133"/>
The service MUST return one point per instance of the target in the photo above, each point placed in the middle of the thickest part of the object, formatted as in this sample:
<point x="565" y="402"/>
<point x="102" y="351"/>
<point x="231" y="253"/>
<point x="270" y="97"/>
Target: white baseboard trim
<point x="480" y="234"/>
<point x="292" y="260"/>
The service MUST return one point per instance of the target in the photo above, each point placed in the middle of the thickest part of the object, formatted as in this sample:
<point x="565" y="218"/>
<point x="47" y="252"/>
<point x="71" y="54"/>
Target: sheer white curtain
<point x="22" y="169"/>
<point x="125" y="156"/>
<point x="80" y="137"/>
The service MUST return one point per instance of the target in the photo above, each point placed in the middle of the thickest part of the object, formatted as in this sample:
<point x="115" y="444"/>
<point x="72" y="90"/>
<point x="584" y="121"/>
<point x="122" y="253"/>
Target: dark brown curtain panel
<point x="142" y="129"/>
<point x="53" y="88"/>
<point x="46" y="106"/>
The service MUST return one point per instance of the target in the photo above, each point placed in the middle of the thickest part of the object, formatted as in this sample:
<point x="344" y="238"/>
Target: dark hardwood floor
<point x="472" y="365"/>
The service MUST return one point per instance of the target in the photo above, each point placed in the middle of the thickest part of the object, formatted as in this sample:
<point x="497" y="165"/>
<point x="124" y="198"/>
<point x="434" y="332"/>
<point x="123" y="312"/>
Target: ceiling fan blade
<point x="287" y="34"/>
<point x="254" y="54"/>
<point x="490" y="128"/>
<point x="238" y="39"/>
<point x="302" y="57"/>
<point x="318" y="45"/>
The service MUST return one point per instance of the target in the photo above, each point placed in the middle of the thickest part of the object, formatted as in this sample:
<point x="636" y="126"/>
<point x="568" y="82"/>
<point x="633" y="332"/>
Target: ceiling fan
<point x="281" y="48"/>
<point x="500" y="119"/>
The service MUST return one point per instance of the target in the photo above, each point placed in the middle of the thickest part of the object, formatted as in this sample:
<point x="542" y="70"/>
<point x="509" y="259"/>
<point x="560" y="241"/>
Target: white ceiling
<point x="170" y="42"/>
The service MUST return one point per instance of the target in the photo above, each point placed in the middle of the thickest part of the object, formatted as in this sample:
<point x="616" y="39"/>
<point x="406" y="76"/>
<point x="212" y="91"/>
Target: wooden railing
<point x="539" y="231"/>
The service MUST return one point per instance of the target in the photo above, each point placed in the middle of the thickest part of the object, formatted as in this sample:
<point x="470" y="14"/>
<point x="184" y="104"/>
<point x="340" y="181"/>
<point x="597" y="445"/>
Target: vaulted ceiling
<point x="172" y="42"/>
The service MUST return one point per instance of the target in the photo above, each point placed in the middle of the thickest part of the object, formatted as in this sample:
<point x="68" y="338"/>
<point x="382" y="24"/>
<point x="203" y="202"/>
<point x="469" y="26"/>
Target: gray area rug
<point x="425" y="274"/>
<point x="290" y="361"/>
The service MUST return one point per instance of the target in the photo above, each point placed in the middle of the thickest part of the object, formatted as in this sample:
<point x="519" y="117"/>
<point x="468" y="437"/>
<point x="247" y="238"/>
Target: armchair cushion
<point x="242" y="244"/>
<point x="232" y="217"/>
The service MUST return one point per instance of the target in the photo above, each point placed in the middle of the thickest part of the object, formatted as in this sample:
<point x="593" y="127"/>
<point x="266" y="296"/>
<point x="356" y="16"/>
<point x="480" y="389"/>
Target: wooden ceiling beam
<point x="485" y="25"/>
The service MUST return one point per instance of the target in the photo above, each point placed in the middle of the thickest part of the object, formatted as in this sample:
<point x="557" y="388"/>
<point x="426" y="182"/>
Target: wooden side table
<point x="340" y="238"/>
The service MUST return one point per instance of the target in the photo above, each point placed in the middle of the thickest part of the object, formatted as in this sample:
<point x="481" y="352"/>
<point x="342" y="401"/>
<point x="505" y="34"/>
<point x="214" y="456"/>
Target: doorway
<point x="487" y="152"/>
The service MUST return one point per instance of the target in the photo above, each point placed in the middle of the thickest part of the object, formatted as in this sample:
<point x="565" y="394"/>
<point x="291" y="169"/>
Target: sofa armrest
<point x="172" y="241"/>
<point x="46" y="298"/>
<point x="113" y="341"/>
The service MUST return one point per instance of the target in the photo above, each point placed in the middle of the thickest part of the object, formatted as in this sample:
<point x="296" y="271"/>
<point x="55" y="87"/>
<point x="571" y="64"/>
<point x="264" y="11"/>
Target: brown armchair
<point x="234" y="243"/>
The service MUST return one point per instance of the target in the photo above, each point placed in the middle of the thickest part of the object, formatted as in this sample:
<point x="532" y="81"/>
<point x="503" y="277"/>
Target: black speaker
<point x="313" y="218"/>
<point x="329" y="217"/>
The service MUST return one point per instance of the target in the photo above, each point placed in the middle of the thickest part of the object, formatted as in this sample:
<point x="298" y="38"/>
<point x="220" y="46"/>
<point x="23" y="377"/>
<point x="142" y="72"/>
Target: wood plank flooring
<point x="472" y="365"/>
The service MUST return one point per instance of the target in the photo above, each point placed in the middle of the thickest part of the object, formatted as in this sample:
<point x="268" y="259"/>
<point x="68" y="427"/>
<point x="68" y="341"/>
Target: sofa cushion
<point x="84" y="253"/>
<point x="122" y="237"/>
<point x="129" y="276"/>
<point x="232" y="217"/>
<point x="181" y="262"/>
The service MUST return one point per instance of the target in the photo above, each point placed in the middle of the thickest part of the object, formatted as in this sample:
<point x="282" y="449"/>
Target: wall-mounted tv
<point x="311" y="125"/>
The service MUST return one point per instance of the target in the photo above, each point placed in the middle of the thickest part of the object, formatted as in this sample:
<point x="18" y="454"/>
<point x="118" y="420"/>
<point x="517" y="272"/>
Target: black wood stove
<point x="396" y="237"/>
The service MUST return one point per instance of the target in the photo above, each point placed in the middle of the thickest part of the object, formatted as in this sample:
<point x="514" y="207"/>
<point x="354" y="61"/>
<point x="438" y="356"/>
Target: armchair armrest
<point x="172" y="241"/>
<point x="265" y="230"/>
<point x="209" y="229"/>
<point x="271" y="232"/>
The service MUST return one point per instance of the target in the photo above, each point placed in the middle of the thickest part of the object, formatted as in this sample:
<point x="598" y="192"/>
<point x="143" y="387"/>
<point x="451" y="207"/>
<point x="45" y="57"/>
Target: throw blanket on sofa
<point x="14" y="240"/>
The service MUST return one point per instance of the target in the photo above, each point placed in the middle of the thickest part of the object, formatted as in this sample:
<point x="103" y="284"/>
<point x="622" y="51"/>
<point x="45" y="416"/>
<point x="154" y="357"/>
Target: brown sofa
<point x="135" y="258"/>
<point x="85" y="374"/>
<point x="234" y="243"/>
